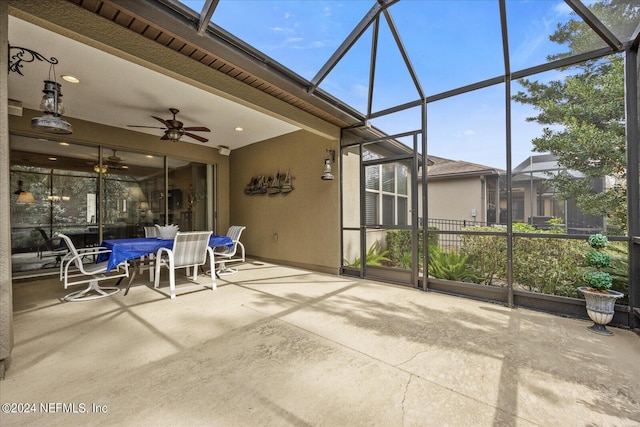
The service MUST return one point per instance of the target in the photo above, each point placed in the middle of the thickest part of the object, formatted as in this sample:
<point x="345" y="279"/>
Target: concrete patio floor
<point x="280" y="346"/>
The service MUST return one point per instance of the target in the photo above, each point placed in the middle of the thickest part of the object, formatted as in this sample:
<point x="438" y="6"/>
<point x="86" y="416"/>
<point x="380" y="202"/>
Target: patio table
<point x="134" y="248"/>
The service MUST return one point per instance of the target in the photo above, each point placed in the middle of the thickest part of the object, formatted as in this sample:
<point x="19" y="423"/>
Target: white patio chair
<point x="150" y="232"/>
<point x="226" y="254"/>
<point x="189" y="250"/>
<point x="146" y="262"/>
<point x="87" y="273"/>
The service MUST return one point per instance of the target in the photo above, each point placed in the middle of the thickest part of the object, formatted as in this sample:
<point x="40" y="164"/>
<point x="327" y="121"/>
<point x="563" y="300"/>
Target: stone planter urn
<point x="600" y="299"/>
<point x="600" y="308"/>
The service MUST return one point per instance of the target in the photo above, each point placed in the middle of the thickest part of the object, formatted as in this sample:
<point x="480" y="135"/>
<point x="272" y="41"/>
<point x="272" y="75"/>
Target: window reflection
<point x="67" y="181"/>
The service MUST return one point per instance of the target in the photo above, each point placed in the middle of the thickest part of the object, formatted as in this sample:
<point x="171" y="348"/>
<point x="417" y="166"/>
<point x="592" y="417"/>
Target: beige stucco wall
<point x="6" y="298"/>
<point x="301" y="228"/>
<point x="455" y="199"/>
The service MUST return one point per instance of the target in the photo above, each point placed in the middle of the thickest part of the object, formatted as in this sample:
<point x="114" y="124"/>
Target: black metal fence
<point x="448" y="240"/>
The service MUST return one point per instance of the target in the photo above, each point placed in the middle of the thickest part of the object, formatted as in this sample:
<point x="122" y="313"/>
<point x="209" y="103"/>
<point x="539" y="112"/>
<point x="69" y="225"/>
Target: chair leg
<point x="172" y="281"/>
<point x="151" y="267"/>
<point x="214" y="286"/>
<point x="156" y="282"/>
<point x="223" y="270"/>
<point x="83" y="295"/>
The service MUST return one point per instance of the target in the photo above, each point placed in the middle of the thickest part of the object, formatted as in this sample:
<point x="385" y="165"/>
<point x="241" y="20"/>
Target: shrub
<point x="597" y="258"/>
<point x="451" y="266"/>
<point x="545" y="265"/>
<point x="598" y="241"/>
<point x="489" y="254"/>
<point x="598" y="280"/>
<point x="399" y="246"/>
<point x="375" y="256"/>
<point x="619" y="267"/>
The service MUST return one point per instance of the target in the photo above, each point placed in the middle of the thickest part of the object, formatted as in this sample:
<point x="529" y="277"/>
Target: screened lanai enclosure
<point x="495" y="139"/>
<point x="486" y="140"/>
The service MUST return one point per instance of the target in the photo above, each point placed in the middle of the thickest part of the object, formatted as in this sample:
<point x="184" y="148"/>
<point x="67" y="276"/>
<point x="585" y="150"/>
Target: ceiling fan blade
<point x="163" y="121"/>
<point x="197" y="129"/>
<point x="150" y="127"/>
<point x="196" y="137"/>
<point x="164" y="136"/>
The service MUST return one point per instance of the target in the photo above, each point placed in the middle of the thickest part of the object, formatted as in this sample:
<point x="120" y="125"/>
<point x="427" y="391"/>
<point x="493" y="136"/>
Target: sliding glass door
<point x="92" y="194"/>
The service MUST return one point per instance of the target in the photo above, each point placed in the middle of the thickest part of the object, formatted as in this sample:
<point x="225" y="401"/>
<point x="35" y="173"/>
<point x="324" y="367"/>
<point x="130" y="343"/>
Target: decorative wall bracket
<point x="22" y="54"/>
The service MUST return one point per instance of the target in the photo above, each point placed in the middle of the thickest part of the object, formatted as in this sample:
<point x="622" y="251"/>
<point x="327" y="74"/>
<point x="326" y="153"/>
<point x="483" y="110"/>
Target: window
<point x="387" y="201"/>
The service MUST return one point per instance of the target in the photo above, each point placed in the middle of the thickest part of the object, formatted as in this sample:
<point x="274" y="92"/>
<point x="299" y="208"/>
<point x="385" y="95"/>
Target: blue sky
<point x="450" y="44"/>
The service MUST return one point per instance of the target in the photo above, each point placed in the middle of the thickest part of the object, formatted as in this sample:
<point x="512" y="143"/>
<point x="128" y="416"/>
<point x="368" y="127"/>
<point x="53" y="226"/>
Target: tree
<point x="584" y="114"/>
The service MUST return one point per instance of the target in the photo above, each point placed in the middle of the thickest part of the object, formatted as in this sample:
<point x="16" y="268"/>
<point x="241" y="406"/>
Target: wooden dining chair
<point x="189" y="250"/>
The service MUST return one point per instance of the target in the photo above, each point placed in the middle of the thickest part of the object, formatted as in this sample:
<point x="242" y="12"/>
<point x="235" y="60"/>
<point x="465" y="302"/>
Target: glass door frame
<point x="412" y="156"/>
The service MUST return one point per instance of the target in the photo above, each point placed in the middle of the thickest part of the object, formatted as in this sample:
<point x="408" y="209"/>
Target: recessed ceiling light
<point x="149" y="156"/>
<point x="53" y="159"/>
<point x="70" y="79"/>
<point x="239" y="129"/>
<point x="64" y="143"/>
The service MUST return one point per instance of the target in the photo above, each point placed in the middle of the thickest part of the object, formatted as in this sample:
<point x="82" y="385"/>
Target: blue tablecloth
<point x="128" y="249"/>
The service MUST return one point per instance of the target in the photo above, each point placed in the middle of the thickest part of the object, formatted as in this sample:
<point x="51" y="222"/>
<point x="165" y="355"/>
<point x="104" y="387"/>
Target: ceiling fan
<point x="113" y="162"/>
<point x="174" y="129"/>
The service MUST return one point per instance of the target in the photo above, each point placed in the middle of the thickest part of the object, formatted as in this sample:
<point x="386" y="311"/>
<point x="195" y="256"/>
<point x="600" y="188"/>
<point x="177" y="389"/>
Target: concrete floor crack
<point x="404" y="397"/>
<point x="398" y="365"/>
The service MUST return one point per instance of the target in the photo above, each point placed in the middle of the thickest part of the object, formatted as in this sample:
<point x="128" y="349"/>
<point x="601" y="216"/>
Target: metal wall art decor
<point x="270" y="185"/>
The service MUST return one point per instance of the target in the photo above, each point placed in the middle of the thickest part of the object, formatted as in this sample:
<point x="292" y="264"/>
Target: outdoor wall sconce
<point x="51" y="104"/>
<point x="330" y="158"/>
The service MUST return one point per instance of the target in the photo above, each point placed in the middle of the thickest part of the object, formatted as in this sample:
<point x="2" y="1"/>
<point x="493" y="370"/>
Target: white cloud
<point x="361" y="91"/>
<point x="562" y="9"/>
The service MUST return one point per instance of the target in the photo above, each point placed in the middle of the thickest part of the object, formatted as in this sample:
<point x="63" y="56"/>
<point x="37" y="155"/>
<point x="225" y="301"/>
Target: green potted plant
<point x="600" y="299"/>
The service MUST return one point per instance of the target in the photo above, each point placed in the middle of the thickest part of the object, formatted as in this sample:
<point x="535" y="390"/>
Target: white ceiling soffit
<point x="118" y="93"/>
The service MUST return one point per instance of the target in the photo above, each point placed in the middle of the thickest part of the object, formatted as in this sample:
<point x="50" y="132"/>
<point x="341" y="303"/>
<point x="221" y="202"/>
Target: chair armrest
<point x="69" y="258"/>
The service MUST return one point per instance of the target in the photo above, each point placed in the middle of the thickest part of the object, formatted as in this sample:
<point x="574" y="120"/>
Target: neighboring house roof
<point x="539" y="166"/>
<point x="441" y="168"/>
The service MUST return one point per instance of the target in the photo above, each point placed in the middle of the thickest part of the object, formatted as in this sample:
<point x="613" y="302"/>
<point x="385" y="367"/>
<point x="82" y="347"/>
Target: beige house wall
<point x="6" y="291"/>
<point x="351" y="205"/>
<point x="455" y="199"/>
<point x="301" y="228"/>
